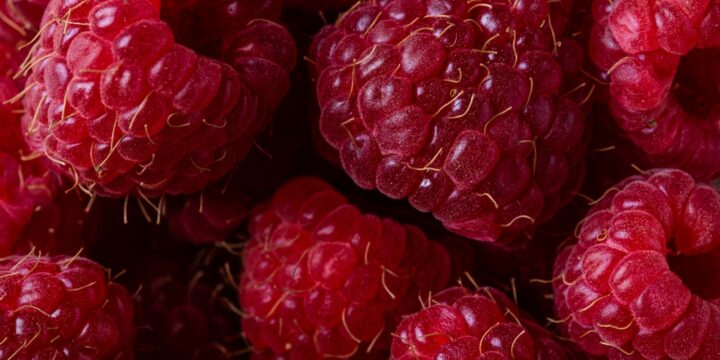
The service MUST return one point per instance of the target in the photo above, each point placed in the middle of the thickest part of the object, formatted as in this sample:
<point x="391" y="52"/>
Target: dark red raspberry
<point x="465" y="108"/>
<point x="659" y="59"/>
<point x="461" y="324"/>
<point x="641" y="282"/>
<point x="20" y="20"/>
<point x="62" y="308"/>
<point x="182" y="311"/>
<point x="117" y="104"/>
<point x="323" y="280"/>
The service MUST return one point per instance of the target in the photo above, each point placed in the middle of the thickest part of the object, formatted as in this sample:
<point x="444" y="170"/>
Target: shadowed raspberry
<point x="62" y="308"/>
<point x="121" y="107"/>
<point x="469" y="110"/>
<point x="323" y="280"/>
<point x="313" y="6"/>
<point x="659" y="59"/>
<point x="183" y="311"/>
<point x="461" y="324"/>
<point x="641" y="282"/>
<point x="20" y="19"/>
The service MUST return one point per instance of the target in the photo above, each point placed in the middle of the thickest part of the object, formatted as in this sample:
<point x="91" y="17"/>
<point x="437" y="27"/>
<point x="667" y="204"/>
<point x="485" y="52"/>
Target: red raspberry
<point x="62" y="308"/>
<point x="20" y="19"/>
<point x="122" y="108"/>
<point x="458" y="106"/>
<point x="658" y="57"/>
<point x="460" y="324"/>
<point x="323" y="280"/>
<point x="183" y="311"/>
<point x="642" y="279"/>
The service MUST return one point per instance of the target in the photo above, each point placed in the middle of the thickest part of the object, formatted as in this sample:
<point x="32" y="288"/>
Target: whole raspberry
<point x="641" y="282"/>
<point x="322" y="280"/>
<point x="469" y="109"/>
<point x="657" y="57"/>
<point x="62" y="308"/>
<point x="461" y="324"/>
<point x="120" y="107"/>
<point x="182" y="309"/>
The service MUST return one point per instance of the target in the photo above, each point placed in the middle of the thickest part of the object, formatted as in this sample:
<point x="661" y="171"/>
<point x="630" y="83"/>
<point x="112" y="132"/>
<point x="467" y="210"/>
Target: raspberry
<point x="323" y="280"/>
<point x="120" y="107"/>
<point x="459" y="324"/>
<point x="185" y="316"/>
<point x="658" y="58"/>
<point x="20" y="19"/>
<point x="62" y="308"/>
<point x="463" y="108"/>
<point x="642" y="278"/>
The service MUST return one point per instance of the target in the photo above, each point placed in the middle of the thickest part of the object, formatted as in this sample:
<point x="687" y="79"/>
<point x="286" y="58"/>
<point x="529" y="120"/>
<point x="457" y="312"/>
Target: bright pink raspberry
<point x="62" y="308"/>
<point x="461" y="324"/>
<point x="469" y="110"/>
<point x="121" y="107"/>
<point x="659" y="59"/>
<point x="641" y="282"/>
<point x="323" y="280"/>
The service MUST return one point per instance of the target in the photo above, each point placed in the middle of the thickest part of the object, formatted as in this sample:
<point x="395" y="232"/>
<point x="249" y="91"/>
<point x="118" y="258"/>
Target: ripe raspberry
<point x="20" y="19"/>
<point x="183" y="311"/>
<point x="323" y="280"/>
<point x="460" y="324"/>
<point x="62" y="308"/>
<point x="658" y="57"/>
<point x="122" y="108"/>
<point x="464" y="108"/>
<point x="642" y="279"/>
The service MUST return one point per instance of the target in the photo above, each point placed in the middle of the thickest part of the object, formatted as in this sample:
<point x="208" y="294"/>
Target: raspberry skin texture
<point x="465" y="324"/>
<point x="658" y="59"/>
<point x="121" y="108"/>
<point x="341" y="279"/>
<point x="63" y="308"/>
<point x="641" y="280"/>
<point x="463" y="108"/>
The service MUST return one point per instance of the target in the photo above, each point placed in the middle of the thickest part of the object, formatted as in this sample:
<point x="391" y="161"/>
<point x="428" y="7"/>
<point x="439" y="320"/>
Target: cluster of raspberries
<point x="359" y="179"/>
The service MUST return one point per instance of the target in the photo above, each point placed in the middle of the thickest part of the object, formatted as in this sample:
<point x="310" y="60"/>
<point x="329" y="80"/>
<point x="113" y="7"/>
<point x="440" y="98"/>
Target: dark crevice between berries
<point x="697" y="82"/>
<point x="193" y="25"/>
<point x="700" y="273"/>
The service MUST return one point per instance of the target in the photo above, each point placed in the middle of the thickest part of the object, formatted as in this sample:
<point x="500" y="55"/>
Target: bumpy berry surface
<point x="463" y="107"/>
<point x="659" y="59"/>
<point x="641" y="282"/>
<point x="183" y="311"/>
<point x="62" y="308"/>
<point x="461" y="324"/>
<point x="323" y="280"/>
<point x="119" y="106"/>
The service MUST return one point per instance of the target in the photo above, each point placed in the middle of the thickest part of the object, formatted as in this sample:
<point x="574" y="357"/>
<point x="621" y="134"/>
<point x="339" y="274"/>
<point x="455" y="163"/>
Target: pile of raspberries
<point x="359" y="179"/>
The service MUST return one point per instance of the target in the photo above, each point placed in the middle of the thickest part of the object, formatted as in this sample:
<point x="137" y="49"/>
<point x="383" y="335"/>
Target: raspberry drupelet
<point x="659" y="60"/>
<point x="323" y="280"/>
<point x="641" y="281"/>
<point x="62" y="308"/>
<point x="471" y="110"/>
<point x="462" y="324"/>
<point x="121" y="108"/>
